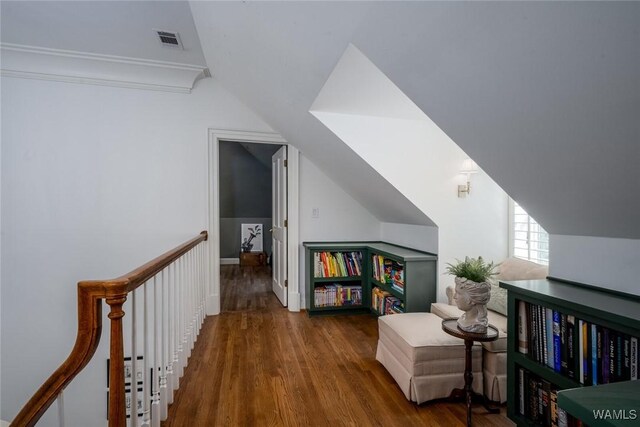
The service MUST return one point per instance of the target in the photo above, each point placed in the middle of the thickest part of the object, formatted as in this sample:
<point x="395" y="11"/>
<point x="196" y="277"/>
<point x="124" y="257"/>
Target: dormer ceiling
<point x="545" y="96"/>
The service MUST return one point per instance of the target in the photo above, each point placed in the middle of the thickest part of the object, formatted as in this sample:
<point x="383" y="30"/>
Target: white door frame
<point x="215" y="136"/>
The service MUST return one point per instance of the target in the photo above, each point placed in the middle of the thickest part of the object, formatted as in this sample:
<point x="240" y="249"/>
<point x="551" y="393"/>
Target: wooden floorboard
<point x="257" y="364"/>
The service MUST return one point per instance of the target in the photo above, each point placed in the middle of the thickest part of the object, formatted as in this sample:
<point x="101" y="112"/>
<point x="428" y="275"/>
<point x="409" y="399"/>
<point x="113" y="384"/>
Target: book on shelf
<point x="553" y="407"/>
<point x="538" y="401"/>
<point x="571" y="347"/>
<point x="382" y="302"/>
<point x="549" y="328"/>
<point x="633" y="354"/>
<point x="545" y="353"/>
<point x="337" y="295"/>
<point x="594" y="355"/>
<point x="557" y="344"/>
<point x="337" y="264"/>
<point x="578" y="349"/>
<point x="388" y="271"/>
<point x="523" y="322"/>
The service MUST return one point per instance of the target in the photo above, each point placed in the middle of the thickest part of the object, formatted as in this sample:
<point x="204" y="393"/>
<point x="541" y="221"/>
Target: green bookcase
<point x="608" y="309"/>
<point x="419" y="274"/>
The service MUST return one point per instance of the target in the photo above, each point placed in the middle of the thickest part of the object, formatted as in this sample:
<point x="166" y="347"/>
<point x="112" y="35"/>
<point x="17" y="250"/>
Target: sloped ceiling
<point x="544" y="96"/>
<point x="125" y="28"/>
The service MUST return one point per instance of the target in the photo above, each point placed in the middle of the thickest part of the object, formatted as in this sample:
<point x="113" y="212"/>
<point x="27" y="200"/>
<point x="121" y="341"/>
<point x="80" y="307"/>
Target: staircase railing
<point x="176" y="302"/>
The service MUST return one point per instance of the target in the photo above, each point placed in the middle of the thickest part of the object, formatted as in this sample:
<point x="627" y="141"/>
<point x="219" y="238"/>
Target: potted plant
<point x="473" y="292"/>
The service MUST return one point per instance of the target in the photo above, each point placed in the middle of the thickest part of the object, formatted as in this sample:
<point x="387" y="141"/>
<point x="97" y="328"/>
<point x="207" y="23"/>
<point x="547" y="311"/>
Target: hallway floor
<point x="257" y="364"/>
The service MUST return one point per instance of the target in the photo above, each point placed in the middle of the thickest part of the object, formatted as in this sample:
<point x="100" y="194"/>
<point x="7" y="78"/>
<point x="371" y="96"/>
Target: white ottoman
<point x="426" y="362"/>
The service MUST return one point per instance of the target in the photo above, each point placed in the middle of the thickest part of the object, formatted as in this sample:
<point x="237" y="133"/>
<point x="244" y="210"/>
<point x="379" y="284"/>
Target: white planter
<point x="472" y="298"/>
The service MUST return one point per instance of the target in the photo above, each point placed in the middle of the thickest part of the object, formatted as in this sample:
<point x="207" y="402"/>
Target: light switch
<point x="315" y="213"/>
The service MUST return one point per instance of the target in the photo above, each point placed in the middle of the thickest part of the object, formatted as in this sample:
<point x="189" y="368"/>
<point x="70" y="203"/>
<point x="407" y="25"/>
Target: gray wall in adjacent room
<point x="245" y="192"/>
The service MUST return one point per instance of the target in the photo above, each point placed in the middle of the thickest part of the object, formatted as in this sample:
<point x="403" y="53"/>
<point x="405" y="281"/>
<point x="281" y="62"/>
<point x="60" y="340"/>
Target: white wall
<point x="598" y="261"/>
<point x="422" y="237"/>
<point x="340" y="217"/>
<point x="411" y="152"/>
<point x="427" y="173"/>
<point x="95" y="181"/>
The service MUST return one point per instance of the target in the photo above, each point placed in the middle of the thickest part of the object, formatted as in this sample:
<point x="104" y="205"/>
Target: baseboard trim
<point x="294" y="301"/>
<point x="229" y="261"/>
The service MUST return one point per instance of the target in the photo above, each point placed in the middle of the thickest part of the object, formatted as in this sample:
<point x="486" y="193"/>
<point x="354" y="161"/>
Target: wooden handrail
<point x="90" y="296"/>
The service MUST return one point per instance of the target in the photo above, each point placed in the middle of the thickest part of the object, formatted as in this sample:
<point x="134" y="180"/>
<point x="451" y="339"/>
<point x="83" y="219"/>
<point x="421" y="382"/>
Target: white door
<point x="279" y="215"/>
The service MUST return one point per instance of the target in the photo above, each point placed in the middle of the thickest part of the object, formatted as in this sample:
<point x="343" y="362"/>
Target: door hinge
<point x="286" y="283"/>
<point x="286" y="223"/>
<point x="286" y="163"/>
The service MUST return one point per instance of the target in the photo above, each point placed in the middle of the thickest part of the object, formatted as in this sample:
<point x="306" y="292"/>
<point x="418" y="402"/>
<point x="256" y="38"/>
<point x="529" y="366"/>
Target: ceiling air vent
<point x="169" y="39"/>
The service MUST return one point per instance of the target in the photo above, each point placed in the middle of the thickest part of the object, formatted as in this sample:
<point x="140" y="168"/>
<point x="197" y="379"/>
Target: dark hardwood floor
<point x="257" y="364"/>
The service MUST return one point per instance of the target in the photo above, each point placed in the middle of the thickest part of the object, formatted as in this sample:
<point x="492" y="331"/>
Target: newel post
<point x="117" y="410"/>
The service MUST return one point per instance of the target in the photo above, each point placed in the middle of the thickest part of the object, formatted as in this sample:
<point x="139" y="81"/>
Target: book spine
<point x="554" y="408"/>
<point x="541" y="332"/>
<point x="613" y="356"/>
<point x="599" y="354"/>
<point x="521" y="389"/>
<point x="633" y="364"/>
<point x="594" y="355"/>
<point x="581" y="365"/>
<point x="533" y="399"/>
<point x="540" y="401"/>
<point x="563" y="420"/>
<point x="571" y="346"/>
<point x="609" y="368"/>
<point x="546" y="402"/>
<point x="586" y="350"/>
<point x="557" y="345"/>
<point x="549" y="327"/>
<point x="626" y="350"/>
<point x="563" y="342"/>
<point x="523" y="339"/>
<point x="533" y="348"/>
<point x="619" y="357"/>
<point x="545" y="353"/>
<point x="606" y="351"/>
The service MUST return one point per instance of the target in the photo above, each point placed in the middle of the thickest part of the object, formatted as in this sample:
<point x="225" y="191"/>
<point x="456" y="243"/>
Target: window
<point x="527" y="239"/>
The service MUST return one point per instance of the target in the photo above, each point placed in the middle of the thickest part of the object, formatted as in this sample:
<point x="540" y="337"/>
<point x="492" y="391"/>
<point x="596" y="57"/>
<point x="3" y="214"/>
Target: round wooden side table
<point x="450" y="326"/>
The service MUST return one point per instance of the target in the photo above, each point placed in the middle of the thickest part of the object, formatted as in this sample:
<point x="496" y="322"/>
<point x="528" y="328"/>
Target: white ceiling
<point x="544" y="96"/>
<point x="121" y="28"/>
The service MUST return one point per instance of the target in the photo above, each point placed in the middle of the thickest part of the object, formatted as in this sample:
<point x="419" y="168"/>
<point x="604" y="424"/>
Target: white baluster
<point x="192" y="312"/>
<point x="174" y="329"/>
<point x="181" y="317"/>
<point x="189" y="304"/>
<point x="146" y="410"/>
<point x="60" y="401"/>
<point x="155" y="404"/>
<point x="186" y="336"/>
<point x="185" y="313"/>
<point x="133" y="410"/>
<point x="170" y="341"/>
<point x="163" y="361"/>
<point x="202" y="283"/>
<point x="198" y="283"/>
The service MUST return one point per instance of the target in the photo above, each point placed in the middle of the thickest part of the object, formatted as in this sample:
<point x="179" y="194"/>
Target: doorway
<point x="225" y="221"/>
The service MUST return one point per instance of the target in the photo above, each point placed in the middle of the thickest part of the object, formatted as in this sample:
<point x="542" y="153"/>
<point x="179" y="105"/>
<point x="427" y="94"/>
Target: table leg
<point x="468" y="377"/>
<point x="467" y="394"/>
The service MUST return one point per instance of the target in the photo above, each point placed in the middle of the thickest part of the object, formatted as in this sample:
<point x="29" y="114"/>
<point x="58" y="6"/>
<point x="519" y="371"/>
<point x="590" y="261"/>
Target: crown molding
<point x="34" y="62"/>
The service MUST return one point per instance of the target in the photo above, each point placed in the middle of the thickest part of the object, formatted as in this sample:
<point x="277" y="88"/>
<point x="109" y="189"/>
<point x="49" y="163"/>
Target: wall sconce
<point x="468" y="167"/>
